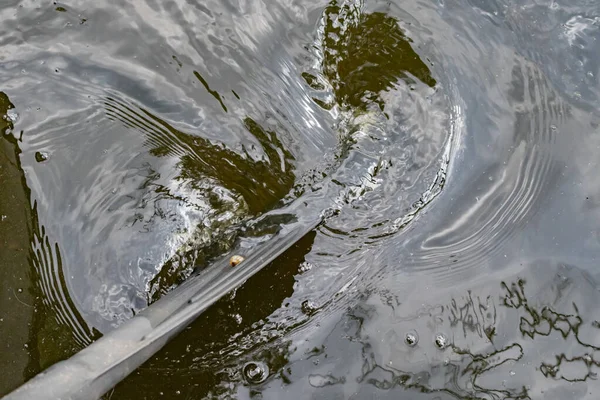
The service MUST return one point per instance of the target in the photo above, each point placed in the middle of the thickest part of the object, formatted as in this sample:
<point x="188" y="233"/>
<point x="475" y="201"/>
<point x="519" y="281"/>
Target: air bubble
<point x="255" y="372"/>
<point x="441" y="341"/>
<point x="411" y="338"/>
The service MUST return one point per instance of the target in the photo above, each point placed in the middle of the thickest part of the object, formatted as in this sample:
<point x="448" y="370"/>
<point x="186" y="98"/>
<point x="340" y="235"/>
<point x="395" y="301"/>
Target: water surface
<point x="451" y="144"/>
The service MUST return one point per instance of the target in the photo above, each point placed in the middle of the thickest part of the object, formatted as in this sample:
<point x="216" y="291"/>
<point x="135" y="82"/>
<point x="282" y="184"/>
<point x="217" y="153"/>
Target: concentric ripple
<point x="507" y="194"/>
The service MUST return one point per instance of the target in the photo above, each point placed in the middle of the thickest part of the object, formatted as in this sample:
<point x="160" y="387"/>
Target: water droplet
<point x="20" y="290"/>
<point x="255" y="372"/>
<point x="411" y="338"/>
<point x="441" y="341"/>
<point x="308" y="307"/>
<point x="41" y="156"/>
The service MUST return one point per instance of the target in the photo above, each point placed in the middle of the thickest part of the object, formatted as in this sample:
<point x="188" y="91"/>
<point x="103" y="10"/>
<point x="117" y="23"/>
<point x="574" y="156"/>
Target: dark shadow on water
<point x="261" y="183"/>
<point x="257" y="185"/>
<point x="370" y="56"/>
<point x="365" y="54"/>
<point x="192" y="364"/>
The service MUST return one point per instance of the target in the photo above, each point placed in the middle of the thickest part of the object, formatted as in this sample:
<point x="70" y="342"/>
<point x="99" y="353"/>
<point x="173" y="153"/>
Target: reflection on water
<point x="503" y="336"/>
<point x="260" y="183"/>
<point x="509" y="189"/>
<point x="39" y="324"/>
<point x="150" y="137"/>
<point x="228" y="187"/>
<point x="241" y="322"/>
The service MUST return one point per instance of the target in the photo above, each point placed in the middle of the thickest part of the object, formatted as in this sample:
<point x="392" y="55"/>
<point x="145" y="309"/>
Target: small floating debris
<point x="235" y="260"/>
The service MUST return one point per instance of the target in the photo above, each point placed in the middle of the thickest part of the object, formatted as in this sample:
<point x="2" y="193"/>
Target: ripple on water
<point x="394" y="121"/>
<point x="142" y="199"/>
<point x="414" y="132"/>
<point x="54" y="285"/>
<point x="164" y="121"/>
<point x="507" y="193"/>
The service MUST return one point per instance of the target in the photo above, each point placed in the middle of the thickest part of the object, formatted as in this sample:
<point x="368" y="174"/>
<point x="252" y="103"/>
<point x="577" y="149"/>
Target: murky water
<point x="452" y="144"/>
